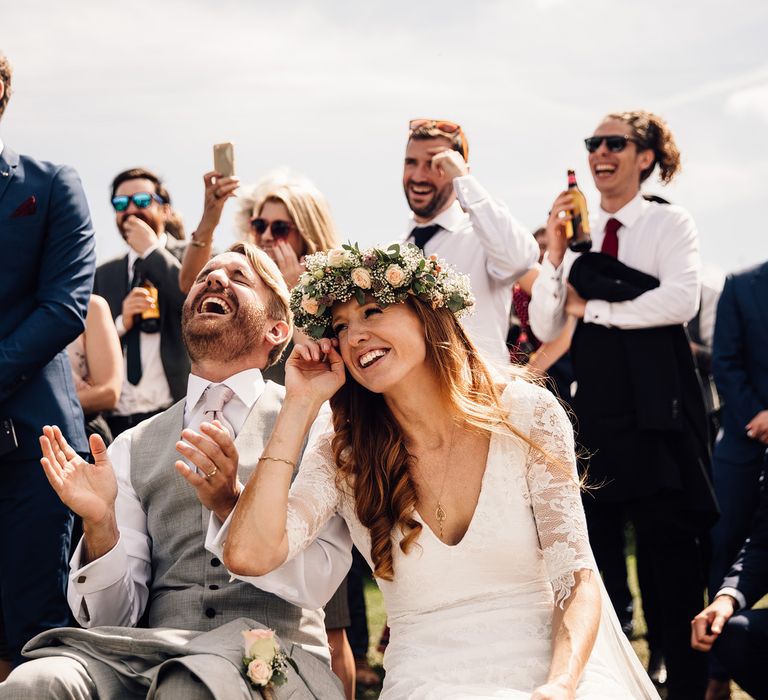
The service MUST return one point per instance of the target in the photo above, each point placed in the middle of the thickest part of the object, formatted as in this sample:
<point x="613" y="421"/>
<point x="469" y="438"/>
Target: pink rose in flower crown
<point x="259" y="672"/>
<point x="310" y="305"/>
<point x="361" y="278"/>
<point x="395" y="275"/>
<point x="337" y="257"/>
<point x="261" y="644"/>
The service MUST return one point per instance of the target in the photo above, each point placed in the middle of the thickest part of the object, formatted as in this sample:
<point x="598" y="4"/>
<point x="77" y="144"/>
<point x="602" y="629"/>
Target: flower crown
<point x="388" y="275"/>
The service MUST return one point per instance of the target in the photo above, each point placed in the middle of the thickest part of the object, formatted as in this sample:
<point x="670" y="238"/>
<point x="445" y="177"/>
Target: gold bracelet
<point x="267" y="458"/>
<point x="198" y="244"/>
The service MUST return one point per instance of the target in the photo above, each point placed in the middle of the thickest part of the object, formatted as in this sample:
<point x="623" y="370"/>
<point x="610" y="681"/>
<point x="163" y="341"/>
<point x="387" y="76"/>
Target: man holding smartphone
<point x="145" y="282"/>
<point x="46" y="227"/>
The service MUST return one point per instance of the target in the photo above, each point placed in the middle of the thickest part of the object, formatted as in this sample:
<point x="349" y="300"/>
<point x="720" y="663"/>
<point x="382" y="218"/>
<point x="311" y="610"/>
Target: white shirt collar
<point x="248" y="386"/>
<point x="450" y="219"/>
<point x="628" y="214"/>
<point x="133" y="256"/>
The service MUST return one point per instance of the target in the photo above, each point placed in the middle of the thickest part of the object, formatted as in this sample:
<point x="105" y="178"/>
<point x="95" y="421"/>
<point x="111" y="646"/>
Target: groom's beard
<point x="226" y="337"/>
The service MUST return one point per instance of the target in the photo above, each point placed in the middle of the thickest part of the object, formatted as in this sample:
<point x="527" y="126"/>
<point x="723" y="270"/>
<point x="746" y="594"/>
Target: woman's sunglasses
<point x="279" y="227"/>
<point x="141" y="199"/>
<point x="615" y="144"/>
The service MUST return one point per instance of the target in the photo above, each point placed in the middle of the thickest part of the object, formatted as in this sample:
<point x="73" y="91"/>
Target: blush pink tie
<point x="216" y="396"/>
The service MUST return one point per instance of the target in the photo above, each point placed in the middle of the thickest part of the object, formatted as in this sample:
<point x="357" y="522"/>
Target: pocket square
<point x="27" y="208"/>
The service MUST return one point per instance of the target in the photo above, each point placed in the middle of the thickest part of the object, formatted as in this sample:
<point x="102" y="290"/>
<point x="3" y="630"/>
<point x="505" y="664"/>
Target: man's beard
<point x="151" y="222"/>
<point x="224" y="342"/>
<point x="435" y="205"/>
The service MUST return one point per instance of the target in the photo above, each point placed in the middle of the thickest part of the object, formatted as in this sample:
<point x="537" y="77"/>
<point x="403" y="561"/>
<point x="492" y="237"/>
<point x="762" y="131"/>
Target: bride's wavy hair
<point x="369" y="445"/>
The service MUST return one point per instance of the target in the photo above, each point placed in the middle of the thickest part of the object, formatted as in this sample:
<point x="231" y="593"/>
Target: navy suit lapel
<point x="9" y="161"/>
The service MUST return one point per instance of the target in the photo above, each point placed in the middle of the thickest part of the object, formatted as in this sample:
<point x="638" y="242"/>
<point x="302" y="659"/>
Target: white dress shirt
<point x="658" y="239"/>
<point x="482" y="239"/>
<point x="152" y="392"/>
<point x="113" y="590"/>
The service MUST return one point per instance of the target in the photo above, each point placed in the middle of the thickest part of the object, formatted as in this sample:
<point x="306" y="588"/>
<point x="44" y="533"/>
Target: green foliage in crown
<point x="388" y="275"/>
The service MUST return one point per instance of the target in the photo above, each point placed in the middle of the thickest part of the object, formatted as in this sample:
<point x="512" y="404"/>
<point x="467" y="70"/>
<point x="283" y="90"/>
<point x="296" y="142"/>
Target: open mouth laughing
<point x="214" y="304"/>
<point x="371" y="357"/>
<point x="603" y="170"/>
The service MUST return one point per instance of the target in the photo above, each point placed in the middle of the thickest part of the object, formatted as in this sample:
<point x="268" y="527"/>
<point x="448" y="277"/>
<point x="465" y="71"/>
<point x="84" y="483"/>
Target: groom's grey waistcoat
<point x="190" y="588"/>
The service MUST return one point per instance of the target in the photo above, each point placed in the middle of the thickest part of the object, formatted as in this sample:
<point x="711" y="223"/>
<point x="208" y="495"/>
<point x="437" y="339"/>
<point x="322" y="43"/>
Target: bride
<point x="462" y="494"/>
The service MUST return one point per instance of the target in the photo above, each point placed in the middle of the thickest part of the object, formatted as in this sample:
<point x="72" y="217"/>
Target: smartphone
<point x="224" y="158"/>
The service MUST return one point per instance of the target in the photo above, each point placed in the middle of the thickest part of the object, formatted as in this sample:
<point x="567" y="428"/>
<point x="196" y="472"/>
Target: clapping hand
<point x="757" y="428"/>
<point x="87" y="489"/>
<point x="213" y="452"/>
<point x="314" y="370"/>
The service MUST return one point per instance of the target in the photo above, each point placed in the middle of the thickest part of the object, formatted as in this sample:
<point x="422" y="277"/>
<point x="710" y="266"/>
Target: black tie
<point x="422" y="234"/>
<point x="133" y="342"/>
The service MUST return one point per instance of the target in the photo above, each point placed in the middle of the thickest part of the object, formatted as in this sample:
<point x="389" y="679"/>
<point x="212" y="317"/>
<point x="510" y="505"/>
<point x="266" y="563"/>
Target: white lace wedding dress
<point x="474" y="620"/>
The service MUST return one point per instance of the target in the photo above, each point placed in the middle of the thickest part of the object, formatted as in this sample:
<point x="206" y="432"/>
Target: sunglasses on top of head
<point x="615" y="144"/>
<point x="445" y="127"/>
<point x="141" y="199"/>
<point x="279" y="227"/>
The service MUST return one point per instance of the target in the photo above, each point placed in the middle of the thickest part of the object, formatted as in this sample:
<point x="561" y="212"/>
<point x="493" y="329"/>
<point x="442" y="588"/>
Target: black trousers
<point x="742" y="649"/>
<point x="674" y="569"/>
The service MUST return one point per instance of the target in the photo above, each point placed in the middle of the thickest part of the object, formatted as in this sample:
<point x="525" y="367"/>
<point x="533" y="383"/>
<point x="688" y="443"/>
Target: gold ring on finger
<point x="215" y="469"/>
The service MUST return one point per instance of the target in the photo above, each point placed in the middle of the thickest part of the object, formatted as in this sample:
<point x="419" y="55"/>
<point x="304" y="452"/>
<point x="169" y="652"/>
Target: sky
<point x="326" y="88"/>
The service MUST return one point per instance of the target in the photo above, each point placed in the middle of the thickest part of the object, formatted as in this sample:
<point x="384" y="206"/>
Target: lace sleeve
<point x="314" y="497"/>
<point x="555" y="497"/>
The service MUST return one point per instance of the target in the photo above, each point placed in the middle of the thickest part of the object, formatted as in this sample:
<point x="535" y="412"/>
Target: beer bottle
<point x="577" y="229"/>
<point x="150" y="318"/>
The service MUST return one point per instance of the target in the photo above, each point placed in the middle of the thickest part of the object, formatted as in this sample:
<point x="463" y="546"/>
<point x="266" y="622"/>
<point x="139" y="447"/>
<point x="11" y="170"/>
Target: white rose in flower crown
<point x="395" y="275"/>
<point x="259" y="671"/>
<point x="337" y="257"/>
<point x="305" y="278"/>
<point x="260" y="643"/>
<point x="361" y="278"/>
<point x="310" y="305"/>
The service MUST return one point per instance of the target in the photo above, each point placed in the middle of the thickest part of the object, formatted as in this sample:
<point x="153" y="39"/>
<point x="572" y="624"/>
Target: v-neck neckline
<point x="480" y="497"/>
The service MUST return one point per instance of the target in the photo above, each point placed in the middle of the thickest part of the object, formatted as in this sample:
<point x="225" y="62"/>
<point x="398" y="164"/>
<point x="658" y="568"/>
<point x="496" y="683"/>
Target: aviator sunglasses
<point x="141" y="199"/>
<point x="279" y="227"/>
<point x="615" y="144"/>
<point x="445" y="127"/>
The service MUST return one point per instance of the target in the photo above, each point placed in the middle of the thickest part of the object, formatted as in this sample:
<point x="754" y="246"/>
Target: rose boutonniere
<point x="264" y="664"/>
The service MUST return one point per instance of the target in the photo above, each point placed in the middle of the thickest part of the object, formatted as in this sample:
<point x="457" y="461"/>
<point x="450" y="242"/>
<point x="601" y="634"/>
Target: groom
<point x="142" y="555"/>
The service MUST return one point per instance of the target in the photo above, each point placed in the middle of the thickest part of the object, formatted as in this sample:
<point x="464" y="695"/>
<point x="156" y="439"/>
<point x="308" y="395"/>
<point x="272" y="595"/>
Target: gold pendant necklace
<point x="441" y="515"/>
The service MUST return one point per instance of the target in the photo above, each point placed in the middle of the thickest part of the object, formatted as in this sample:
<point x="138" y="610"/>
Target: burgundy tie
<point x="611" y="241"/>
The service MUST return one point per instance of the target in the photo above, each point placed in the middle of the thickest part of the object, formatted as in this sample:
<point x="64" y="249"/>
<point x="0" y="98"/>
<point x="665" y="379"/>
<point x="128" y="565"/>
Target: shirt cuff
<point x="736" y="594"/>
<point x="120" y="326"/>
<point x="469" y="191"/>
<point x="99" y="574"/>
<point x="216" y="535"/>
<point x="552" y="272"/>
<point x="598" y="311"/>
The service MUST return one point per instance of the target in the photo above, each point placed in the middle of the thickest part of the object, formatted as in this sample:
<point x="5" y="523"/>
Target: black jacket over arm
<point x="639" y="405"/>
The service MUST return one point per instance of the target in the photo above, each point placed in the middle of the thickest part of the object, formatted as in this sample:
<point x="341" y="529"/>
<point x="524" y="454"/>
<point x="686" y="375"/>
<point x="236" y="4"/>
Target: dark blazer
<point x="639" y="403"/>
<point x="740" y="360"/>
<point x="749" y="573"/>
<point x="162" y="268"/>
<point x="46" y="233"/>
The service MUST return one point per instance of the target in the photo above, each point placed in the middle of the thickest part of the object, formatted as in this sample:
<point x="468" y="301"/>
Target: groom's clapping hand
<point x="213" y="452"/>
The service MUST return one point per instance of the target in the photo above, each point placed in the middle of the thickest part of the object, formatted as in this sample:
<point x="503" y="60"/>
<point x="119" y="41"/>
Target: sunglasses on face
<point x="615" y="144"/>
<point x="279" y="227"/>
<point x="141" y="199"/>
<point x="444" y="127"/>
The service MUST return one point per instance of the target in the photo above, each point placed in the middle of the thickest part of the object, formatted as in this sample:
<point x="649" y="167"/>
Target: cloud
<point x="750" y="102"/>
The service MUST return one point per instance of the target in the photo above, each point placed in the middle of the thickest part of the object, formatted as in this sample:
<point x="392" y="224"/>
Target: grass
<point x="377" y="618"/>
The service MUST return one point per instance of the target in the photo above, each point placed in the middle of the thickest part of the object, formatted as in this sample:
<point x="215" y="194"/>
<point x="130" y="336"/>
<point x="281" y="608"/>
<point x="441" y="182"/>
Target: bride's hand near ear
<point x="314" y="371"/>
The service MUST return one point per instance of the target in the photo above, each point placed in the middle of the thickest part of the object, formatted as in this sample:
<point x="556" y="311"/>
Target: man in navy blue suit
<point x="736" y="634"/>
<point x="46" y="228"/>
<point x="740" y="368"/>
